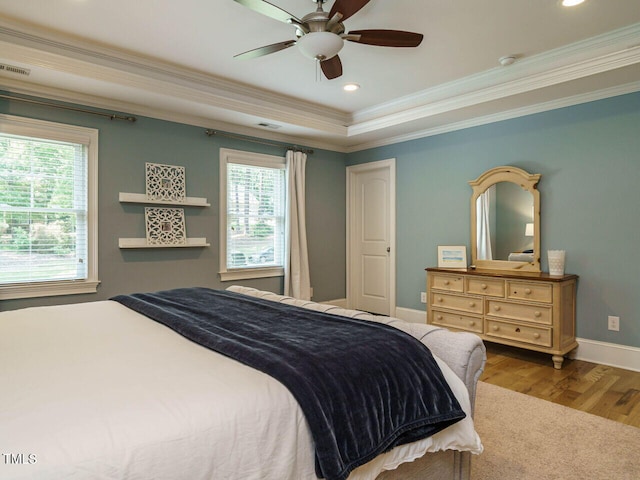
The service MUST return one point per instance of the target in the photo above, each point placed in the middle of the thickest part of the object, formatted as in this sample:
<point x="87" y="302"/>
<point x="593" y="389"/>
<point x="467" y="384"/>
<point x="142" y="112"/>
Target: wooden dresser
<point x="535" y="311"/>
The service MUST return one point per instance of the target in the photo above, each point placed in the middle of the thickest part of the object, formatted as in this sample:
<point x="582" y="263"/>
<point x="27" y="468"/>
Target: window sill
<point x="47" y="289"/>
<point x="247" y="273"/>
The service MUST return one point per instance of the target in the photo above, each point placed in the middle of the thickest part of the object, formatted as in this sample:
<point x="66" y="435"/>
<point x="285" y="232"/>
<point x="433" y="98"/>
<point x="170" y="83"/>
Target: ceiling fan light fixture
<point x="321" y="35"/>
<point x="320" y="45"/>
<point x="571" y="3"/>
<point x="350" y="87"/>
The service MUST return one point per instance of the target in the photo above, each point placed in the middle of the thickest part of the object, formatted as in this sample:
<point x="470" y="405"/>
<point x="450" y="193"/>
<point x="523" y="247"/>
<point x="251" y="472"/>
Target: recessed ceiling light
<point x="571" y="3"/>
<point x="351" y="87"/>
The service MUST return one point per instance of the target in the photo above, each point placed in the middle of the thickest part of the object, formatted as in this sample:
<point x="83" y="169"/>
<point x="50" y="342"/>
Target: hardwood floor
<point x="609" y="392"/>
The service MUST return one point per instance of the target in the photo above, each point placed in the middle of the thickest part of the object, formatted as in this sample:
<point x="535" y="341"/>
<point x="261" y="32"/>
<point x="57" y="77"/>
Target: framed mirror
<point x="505" y="220"/>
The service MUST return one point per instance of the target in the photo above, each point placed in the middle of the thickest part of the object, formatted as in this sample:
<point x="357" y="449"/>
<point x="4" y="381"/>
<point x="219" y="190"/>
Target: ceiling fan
<point x="321" y="35"/>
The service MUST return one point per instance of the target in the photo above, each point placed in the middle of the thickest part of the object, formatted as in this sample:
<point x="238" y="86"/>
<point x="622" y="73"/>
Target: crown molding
<point x="605" y="52"/>
<point x="501" y="116"/>
<point x="52" y="51"/>
<point x="503" y="90"/>
<point x="70" y="97"/>
<point x="63" y="46"/>
<point x="143" y="110"/>
<point x="194" y="92"/>
<point x="617" y="41"/>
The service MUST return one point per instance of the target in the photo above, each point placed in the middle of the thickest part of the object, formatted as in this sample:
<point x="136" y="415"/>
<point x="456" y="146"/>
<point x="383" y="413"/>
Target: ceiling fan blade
<point x="386" y="38"/>
<point x="266" y="50"/>
<point x="269" y="10"/>
<point x="332" y="68"/>
<point x="346" y="8"/>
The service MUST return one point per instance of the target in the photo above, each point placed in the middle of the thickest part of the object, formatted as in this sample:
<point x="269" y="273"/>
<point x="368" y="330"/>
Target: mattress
<point x="97" y="391"/>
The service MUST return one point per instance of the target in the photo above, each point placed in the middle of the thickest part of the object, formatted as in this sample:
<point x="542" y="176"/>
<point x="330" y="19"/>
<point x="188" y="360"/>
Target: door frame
<point x="352" y="172"/>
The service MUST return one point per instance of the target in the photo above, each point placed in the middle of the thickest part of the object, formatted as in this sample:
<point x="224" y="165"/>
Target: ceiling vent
<point x="272" y="126"/>
<point x="13" y="69"/>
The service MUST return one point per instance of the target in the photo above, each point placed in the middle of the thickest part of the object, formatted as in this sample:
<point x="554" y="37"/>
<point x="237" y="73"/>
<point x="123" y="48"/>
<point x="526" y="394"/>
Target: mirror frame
<point x="529" y="183"/>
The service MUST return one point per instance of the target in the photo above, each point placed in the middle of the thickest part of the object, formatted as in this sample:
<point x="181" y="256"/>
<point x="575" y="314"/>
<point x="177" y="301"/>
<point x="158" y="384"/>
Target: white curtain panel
<point x="297" y="283"/>
<point x="483" y="209"/>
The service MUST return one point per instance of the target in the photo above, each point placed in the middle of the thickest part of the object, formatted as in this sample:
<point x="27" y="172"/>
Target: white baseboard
<point x="411" y="315"/>
<point x="604" y="353"/>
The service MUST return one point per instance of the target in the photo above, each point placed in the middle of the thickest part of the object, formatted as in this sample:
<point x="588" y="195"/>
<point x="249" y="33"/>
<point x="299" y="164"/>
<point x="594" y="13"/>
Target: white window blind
<point x="45" y="236"/>
<point x="253" y="218"/>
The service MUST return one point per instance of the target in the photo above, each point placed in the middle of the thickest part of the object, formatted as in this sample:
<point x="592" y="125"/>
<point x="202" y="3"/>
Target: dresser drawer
<point x="521" y="311"/>
<point x="448" y="282"/>
<point x="534" y="291"/>
<point x="454" y="320"/>
<point x="520" y="333"/>
<point x="485" y="286"/>
<point x="457" y="302"/>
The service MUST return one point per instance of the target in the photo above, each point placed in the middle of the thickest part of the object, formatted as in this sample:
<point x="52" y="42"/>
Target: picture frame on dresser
<point x="452" y="256"/>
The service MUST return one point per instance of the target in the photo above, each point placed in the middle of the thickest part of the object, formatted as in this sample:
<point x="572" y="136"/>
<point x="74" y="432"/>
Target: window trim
<point x="30" y="127"/>
<point x="249" y="158"/>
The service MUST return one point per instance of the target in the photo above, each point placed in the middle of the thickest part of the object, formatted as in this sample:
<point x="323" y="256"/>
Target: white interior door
<point x="371" y="237"/>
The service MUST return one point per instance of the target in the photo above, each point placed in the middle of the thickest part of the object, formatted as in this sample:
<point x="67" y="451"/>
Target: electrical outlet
<point x="423" y="297"/>
<point x="614" y="323"/>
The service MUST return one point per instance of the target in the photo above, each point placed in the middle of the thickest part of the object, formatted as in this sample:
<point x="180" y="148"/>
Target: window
<point x="48" y="208"/>
<point x="252" y="215"/>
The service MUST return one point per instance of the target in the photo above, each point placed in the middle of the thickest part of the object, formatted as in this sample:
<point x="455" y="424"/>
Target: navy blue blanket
<point x="364" y="387"/>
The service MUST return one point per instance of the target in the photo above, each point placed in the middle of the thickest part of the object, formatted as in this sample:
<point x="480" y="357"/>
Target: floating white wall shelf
<point x="142" y="243"/>
<point x="142" y="198"/>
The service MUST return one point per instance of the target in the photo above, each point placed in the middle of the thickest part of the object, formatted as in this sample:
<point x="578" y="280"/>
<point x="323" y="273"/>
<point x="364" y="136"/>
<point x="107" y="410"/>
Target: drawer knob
<point x="495" y="328"/>
<point x="472" y="323"/>
<point x="537" y="314"/>
<point x="536" y="336"/>
<point x="440" y="299"/>
<point x="497" y="308"/>
<point x="527" y="291"/>
<point x="439" y="317"/>
<point x="518" y="330"/>
<point x="472" y="304"/>
<point x="483" y="286"/>
<point x="446" y="282"/>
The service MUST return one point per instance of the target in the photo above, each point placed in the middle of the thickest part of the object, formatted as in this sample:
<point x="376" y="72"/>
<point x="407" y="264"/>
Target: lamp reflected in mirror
<point x="528" y="230"/>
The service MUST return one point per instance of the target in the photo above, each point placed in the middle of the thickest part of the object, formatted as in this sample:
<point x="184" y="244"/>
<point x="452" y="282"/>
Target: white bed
<point x="97" y="391"/>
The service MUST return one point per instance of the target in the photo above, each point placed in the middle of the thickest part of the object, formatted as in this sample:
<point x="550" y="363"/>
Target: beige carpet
<point x="528" y="438"/>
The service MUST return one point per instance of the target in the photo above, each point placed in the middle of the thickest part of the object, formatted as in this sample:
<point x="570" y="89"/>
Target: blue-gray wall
<point x="588" y="155"/>
<point x="123" y="150"/>
<point x="589" y="158"/>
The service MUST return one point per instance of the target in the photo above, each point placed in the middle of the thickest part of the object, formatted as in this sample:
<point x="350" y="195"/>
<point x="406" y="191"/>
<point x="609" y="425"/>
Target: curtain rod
<point x="111" y="116"/>
<point x="211" y="133"/>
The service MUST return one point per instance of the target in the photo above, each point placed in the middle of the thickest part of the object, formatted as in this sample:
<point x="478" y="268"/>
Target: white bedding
<point x="97" y="391"/>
